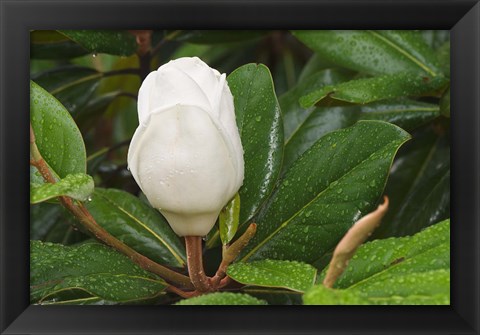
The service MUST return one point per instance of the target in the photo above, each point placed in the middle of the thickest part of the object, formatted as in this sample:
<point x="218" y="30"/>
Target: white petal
<point x="184" y="167"/>
<point x="143" y="104"/>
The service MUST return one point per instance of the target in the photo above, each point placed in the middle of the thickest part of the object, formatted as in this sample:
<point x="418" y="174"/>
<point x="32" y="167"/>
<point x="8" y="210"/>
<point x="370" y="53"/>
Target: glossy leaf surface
<point x="407" y="114"/>
<point x="77" y="186"/>
<point x="138" y="225"/>
<point x="407" y="270"/>
<point x="366" y="90"/>
<point x="337" y="181"/>
<point x="57" y="136"/>
<point x="373" y="52"/>
<point x="223" y="298"/>
<point x="73" y="86"/>
<point x="419" y="186"/>
<point x="291" y="275"/>
<point x="294" y="114"/>
<point x="53" y="223"/>
<point x="228" y="220"/>
<point x="49" y="44"/>
<point x="92" y="268"/>
<point x="261" y="130"/>
<point x="115" y="42"/>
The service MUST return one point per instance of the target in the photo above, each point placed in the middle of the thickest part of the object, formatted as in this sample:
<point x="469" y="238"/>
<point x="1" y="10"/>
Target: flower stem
<point x="230" y="253"/>
<point x="198" y="277"/>
<point x="88" y="222"/>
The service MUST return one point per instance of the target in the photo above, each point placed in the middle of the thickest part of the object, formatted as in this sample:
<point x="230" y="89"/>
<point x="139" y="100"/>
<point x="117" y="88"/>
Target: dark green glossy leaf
<point x="115" y="42"/>
<point x="261" y="130"/>
<point x="419" y="186"/>
<point x="49" y="44"/>
<point x="73" y="86"/>
<point x="223" y="298"/>
<point x="333" y="184"/>
<point x="93" y="268"/>
<point x="138" y="225"/>
<point x="77" y="186"/>
<point x="373" y="52"/>
<point x="293" y="114"/>
<point x="291" y="275"/>
<point x="53" y="223"/>
<point x="407" y="114"/>
<point x="366" y="90"/>
<point x="408" y="270"/>
<point x="315" y="123"/>
<point x="228" y="220"/>
<point x="315" y="63"/>
<point x="90" y="114"/>
<point x="57" y="136"/>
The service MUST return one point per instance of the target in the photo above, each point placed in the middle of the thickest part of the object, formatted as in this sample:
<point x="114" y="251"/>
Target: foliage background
<point x="314" y="83"/>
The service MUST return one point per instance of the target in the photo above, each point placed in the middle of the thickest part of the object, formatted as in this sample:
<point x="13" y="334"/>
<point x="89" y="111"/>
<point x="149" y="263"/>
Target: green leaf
<point x="407" y="270"/>
<point x="373" y="52"/>
<point x="228" y="220"/>
<point x="366" y="90"/>
<point x="53" y="223"/>
<point x="73" y="86"/>
<point x="223" y="298"/>
<point x="419" y="186"/>
<point x="115" y="42"/>
<point x="92" y="268"/>
<point x="426" y="288"/>
<point x="138" y="225"/>
<point x="95" y="109"/>
<point x="291" y="275"/>
<point x="337" y="181"/>
<point x="261" y="130"/>
<point x="321" y="295"/>
<point x="274" y="296"/>
<point x="293" y="114"/>
<point x="314" y="64"/>
<point x="49" y="44"/>
<point x="57" y="136"/>
<point x="443" y="55"/>
<point x="78" y="186"/>
<point x="445" y="103"/>
<point x="407" y="114"/>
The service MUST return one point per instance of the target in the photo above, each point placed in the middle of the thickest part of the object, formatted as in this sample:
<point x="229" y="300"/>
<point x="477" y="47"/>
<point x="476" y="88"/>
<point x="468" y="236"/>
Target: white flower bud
<point x="186" y="154"/>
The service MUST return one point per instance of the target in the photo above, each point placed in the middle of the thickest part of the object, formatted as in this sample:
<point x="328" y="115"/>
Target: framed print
<point x="194" y="167"/>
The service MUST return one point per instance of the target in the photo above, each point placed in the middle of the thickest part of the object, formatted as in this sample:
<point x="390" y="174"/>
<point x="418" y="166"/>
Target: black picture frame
<point x="17" y="17"/>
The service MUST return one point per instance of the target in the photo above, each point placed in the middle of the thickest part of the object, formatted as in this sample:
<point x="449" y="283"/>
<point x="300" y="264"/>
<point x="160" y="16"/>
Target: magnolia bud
<point x="186" y="154"/>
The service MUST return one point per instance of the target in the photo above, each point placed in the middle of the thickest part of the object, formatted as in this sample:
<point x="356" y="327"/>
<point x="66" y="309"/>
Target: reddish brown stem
<point x="198" y="277"/>
<point x="230" y="253"/>
<point x="182" y="293"/>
